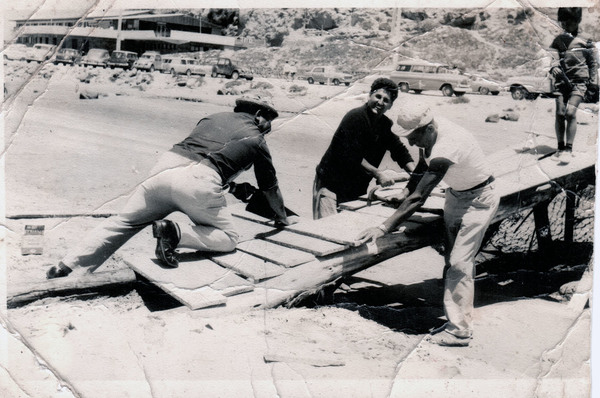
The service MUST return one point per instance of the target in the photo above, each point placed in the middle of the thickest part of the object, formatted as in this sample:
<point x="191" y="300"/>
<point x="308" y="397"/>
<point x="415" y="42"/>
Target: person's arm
<point x="432" y="177"/>
<point x="383" y="177"/>
<point x="400" y="153"/>
<point x="275" y="200"/>
<point x="267" y="183"/>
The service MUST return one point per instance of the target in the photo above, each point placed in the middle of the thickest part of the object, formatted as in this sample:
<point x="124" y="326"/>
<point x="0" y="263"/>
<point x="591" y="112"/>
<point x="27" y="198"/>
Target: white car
<point x="328" y="74"/>
<point x="15" y="52"/>
<point x="40" y="52"/>
<point x="484" y="86"/>
<point x="150" y="60"/>
<point x="185" y="66"/>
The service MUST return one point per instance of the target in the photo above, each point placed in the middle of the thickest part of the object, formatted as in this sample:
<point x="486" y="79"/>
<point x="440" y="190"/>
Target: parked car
<point x="185" y="66"/>
<point x="40" y="52"/>
<point x="531" y="87"/>
<point x="67" y="56"/>
<point x="15" y="52"/>
<point x="422" y="75"/>
<point x="122" y="59"/>
<point x="96" y="57"/>
<point x="327" y="75"/>
<point x="150" y="60"/>
<point x="228" y="68"/>
<point x="166" y="63"/>
<point x="484" y="86"/>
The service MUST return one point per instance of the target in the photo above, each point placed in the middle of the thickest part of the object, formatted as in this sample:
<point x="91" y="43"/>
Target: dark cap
<point x="254" y="103"/>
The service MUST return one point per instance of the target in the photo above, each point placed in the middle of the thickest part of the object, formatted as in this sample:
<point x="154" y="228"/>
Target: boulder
<point x="511" y="116"/>
<point x="495" y="118"/>
<point x="87" y="94"/>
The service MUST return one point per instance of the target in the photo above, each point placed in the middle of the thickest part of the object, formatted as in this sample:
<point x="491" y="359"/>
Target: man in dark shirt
<point x="356" y="150"/>
<point x="192" y="178"/>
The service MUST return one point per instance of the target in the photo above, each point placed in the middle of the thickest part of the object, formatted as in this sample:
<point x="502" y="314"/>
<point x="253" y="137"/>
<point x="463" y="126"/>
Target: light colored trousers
<point x="467" y="216"/>
<point x="324" y="201"/>
<point x="176" y="183"/>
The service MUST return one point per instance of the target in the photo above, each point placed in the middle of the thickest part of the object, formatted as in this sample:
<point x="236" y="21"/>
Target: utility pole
<point x="119" y="23"/>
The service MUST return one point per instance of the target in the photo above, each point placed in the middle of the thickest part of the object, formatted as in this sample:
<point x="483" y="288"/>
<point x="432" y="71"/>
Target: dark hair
<point x="386" y="84"/>
<point x="569" y="14"/>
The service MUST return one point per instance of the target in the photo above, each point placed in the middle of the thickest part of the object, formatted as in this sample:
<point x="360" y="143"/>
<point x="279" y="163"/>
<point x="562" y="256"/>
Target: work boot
<point x="58" y="271"/>
<point x="167" y="234"/>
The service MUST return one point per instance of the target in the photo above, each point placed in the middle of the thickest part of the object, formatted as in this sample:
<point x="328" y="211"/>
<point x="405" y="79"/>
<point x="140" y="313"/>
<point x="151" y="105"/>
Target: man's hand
<point x="243" y="191"/>
<point x="386" y="178"/>
<point x="399" y="198"/>
<point x="555" y="71"/>
<point x="370" y="234"/>
<point x="291" y="220"/>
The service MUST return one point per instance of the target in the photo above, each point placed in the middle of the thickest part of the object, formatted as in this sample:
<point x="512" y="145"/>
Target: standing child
<point x="575" y="69"/>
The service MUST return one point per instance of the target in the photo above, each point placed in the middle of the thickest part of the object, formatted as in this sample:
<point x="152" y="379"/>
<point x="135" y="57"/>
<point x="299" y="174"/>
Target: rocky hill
<point x="494" y="42"/>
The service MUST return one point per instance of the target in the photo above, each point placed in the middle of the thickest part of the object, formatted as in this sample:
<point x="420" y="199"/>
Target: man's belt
<point x="479" y="186"/>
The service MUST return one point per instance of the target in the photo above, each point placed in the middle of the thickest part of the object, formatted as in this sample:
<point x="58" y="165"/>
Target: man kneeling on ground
<point x="192" y="178"/>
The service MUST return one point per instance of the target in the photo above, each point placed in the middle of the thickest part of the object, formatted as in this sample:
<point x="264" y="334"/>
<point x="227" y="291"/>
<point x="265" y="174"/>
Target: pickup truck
<point x="226" y="67"/>
<point x="531" y="87"/>
<point x="328" y="74"/>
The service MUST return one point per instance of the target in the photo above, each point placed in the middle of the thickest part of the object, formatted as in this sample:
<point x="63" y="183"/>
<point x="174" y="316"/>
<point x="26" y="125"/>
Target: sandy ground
<point x="66" y="156"/>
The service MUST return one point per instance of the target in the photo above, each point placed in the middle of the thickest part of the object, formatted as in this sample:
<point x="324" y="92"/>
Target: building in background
<point x="140" y="30"/>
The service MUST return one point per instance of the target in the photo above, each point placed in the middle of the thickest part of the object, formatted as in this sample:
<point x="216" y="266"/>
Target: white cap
<point x="412" y="116"/>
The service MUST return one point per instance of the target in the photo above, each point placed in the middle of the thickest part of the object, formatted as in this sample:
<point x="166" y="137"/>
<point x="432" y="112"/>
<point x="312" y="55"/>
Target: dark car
<point x="122" y="59"/>
<point x="226" y="67"/>
<point x="67" y="56"/>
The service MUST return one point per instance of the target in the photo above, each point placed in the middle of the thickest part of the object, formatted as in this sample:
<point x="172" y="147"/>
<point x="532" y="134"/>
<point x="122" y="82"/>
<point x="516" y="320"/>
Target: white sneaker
<point x="556" y="156"/>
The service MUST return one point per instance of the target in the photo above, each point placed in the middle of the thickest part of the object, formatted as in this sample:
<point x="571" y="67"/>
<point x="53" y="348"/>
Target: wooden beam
<point x="569" y="216"/>
<point x="93" y="283"/>
<point x="520" y="200"/>
<point x="542" y="227"/>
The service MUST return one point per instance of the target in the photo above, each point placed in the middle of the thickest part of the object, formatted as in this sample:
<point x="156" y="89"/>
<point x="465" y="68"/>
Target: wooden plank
<point x="342" y="228"/>
<point x="306" y="243"/>
<point x="246" y="215"/>
<point x="356" y="204"/>
<point x="275" y="253"/>
<point x="387" y="211"/>
<point x="188" y="283"/>
<point x="232" y="284"/>
<point x="249" y="230"/>
<point x="248" y="265"/>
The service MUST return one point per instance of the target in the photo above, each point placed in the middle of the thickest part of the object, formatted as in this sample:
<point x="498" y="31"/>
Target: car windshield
<point x="118" y="55"/>
<point x="96" y="52"/>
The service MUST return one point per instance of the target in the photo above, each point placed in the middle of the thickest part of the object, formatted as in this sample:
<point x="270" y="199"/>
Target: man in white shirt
<point x="452" y="154"/>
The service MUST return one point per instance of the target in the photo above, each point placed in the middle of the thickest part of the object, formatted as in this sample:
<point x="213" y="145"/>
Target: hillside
<point x="497" y="42"/>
